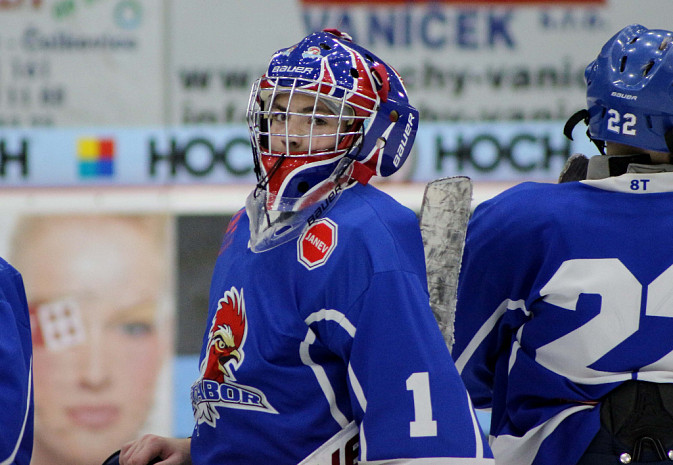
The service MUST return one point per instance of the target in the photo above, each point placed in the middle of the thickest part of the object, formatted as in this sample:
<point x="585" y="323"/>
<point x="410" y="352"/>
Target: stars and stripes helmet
<point x="325" y="112"/>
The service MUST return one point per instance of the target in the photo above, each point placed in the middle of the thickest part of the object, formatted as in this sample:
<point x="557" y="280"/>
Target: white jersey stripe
<point x="522" y="450"/>
<point x="321" y="376"/>
<point x="486" y="328"/>
<point x="332" y="315"/>
<point x="357" y="389"/>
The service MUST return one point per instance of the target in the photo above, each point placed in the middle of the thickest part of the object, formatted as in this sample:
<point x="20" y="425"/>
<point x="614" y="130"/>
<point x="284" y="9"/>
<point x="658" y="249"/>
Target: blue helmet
<point x="630" y="90"/>
<point x="325" y="112"/>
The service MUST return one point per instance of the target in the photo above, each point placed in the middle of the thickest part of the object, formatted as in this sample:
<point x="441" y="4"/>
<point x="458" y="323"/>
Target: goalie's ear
<point x="575" y="169"/>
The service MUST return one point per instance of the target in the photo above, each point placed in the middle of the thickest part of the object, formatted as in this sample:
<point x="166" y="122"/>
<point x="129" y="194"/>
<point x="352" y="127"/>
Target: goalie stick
<point x="445" y="212"/>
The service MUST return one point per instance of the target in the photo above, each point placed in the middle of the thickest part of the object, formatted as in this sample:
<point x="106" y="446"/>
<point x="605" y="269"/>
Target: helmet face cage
<point x="299" y="123"/>
<point x="298" y="137"/>
<point x="629" y="92"/>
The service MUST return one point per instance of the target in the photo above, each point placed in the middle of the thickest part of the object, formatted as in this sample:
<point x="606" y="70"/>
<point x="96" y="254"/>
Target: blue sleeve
<point x="16" y="395"/>
<point x="491" y="301"/>
<point x="405" y="391"/>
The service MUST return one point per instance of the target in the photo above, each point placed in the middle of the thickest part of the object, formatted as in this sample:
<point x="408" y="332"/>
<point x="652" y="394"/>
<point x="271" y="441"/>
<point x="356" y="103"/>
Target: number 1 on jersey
<point x="423" y="424"/>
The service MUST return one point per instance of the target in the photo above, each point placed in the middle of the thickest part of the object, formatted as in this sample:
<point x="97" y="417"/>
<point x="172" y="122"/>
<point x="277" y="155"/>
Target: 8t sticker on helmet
<point x="316" y="244"/>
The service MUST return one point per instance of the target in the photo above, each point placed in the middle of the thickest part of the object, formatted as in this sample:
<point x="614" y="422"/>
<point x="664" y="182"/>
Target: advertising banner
<point x="487" y="60"/>
<point x="219" y="155"/>
<point x="217" y="52"/>
<point x="81" y="62"/>
<point x="101" y="297"/>
<point x="152" y="62"/>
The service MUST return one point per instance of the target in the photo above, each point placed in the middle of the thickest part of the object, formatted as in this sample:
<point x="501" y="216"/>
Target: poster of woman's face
<point x="100" y="292"/>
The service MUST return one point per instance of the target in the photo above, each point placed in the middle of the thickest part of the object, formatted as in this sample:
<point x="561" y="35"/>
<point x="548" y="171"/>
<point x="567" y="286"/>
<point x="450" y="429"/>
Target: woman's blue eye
<point x="137" y="329"/>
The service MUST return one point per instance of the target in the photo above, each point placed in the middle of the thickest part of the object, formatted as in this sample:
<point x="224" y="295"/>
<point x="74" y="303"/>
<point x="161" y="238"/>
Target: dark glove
<point x="114" y="459"/>
<point x="575" y="169"/>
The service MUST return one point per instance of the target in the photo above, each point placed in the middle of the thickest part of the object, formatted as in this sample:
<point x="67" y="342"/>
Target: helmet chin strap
<point x="603" y="166"/>
<point x="263" y="181"/>
<point x="361" y="173"/>
<point x="582" y="115"/>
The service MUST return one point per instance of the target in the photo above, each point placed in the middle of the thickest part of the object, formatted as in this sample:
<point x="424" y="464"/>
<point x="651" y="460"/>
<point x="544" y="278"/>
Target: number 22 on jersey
<point x="619" y="317"/>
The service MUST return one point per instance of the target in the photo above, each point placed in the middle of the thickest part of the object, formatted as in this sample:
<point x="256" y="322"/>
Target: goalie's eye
<point x="278" y="117"/>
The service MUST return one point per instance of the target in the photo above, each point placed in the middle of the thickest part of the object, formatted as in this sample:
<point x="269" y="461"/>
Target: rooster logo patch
<point x="217" y="387"/>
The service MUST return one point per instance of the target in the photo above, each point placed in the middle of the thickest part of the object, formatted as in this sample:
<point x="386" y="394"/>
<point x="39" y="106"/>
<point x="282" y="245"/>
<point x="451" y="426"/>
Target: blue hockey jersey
<point x="565" y="292"/>
<point x="16" y="393"/>
<point x="331" y="328"/>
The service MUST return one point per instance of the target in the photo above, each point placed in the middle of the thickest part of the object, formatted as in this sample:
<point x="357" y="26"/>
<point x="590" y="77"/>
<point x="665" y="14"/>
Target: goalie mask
<point x="629" y="90"/>
<point x="325" y="113"/>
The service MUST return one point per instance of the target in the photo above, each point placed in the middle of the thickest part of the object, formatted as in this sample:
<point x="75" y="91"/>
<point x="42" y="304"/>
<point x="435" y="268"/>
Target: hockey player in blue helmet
<point x="564" y="313"/>
<point x="320" y="345"/>
<point x="629" y="104"/>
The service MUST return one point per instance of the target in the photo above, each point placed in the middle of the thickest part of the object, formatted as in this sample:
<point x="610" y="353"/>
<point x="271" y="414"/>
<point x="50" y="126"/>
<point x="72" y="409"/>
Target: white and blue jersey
<point x="565" y="293"/>
<point x="16" y="354"/>
<point x="331" y="328"/>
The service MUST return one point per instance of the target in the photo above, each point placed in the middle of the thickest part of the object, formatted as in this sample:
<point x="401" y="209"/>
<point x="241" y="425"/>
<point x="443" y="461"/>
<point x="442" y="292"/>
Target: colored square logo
<point x="95" y="157"/>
